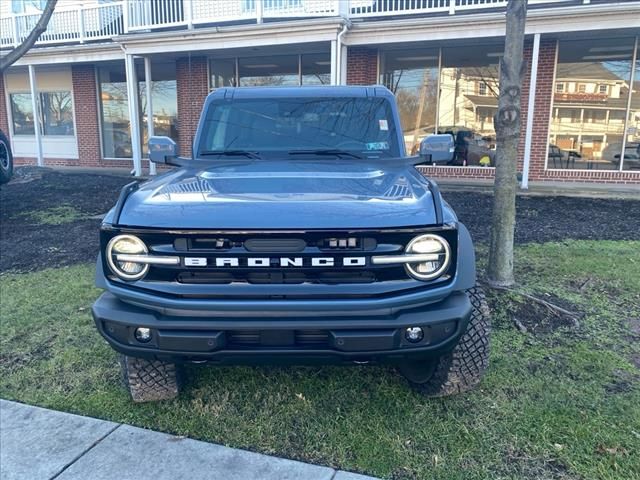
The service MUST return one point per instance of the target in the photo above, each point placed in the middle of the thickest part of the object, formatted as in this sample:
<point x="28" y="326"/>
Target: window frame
<point x="237" y="59"/>
<point x="552" y="138"/>
<point x="12" y="112"/>
<point x="39" y="114"/>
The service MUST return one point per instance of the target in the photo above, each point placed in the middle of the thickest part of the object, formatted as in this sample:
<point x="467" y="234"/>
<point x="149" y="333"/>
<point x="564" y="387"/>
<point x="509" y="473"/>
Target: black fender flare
<point x="466" y="271"/>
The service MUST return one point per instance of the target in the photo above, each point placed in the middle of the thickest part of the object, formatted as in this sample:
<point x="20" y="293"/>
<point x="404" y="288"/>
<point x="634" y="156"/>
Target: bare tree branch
<point x="41" y="27"/>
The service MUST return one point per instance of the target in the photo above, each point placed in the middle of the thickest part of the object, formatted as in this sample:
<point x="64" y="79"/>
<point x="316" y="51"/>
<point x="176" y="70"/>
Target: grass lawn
<point x="560" y="400"/>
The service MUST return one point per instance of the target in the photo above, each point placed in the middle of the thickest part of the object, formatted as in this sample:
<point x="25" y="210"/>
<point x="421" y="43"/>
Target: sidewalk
<point x="40" y="444"/>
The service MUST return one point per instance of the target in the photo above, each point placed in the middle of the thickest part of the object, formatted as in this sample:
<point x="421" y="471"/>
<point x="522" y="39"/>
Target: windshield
<point x="356" y="127"/>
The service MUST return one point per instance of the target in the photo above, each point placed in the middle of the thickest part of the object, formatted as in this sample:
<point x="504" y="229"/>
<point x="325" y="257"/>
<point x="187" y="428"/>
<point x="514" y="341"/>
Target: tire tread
<point x="462" y="369"/>
<point x="149" y="380"/>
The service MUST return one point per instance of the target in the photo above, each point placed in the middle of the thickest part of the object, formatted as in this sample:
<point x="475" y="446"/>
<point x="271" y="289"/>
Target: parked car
<point x="631" y="156"/>
<point x="471" y="148"/>
<point x="6" y="159"/>
<point x="283" y="240"/>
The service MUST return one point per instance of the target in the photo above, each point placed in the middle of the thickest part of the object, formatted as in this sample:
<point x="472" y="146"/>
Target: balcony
<point x="101" y="22"/>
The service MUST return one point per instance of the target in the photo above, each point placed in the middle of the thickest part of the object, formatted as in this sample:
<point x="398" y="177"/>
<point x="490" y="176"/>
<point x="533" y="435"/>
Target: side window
<point x="57" y="113"/>
<point x="22" y="114"/>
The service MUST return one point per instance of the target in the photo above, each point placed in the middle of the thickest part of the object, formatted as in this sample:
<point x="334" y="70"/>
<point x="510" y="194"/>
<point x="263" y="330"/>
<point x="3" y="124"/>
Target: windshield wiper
<point x="231" y="153"/>
<point x="333" y="152"/>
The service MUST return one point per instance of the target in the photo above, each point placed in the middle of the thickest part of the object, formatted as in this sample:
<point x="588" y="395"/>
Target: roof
<point x="483" y="100"/>
<point x="303" y="91"/>
<point x="585" y="71"/>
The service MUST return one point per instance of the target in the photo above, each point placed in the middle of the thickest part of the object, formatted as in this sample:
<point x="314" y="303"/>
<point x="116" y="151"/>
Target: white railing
<point x="106" y="20"/>
<point x="71" y="24"/>
<point x="147" y="15"/>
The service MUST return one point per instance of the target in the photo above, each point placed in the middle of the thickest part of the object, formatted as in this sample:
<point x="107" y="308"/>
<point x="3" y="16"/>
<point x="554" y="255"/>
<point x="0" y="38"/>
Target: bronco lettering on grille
<point x="261" y="262"/>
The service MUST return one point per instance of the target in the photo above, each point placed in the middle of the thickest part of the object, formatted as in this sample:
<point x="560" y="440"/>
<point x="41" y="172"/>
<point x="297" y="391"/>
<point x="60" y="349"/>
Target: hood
<point x="301" y="194"/>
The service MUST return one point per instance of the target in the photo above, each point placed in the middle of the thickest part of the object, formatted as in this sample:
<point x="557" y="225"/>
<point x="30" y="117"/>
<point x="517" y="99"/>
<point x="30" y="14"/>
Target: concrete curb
<point x="45" y="444"/>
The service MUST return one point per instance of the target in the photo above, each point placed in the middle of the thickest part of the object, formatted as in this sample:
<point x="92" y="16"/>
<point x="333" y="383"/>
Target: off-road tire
<point x="149" y="380"/>
<point x="6" y="159"/>
<point x="462" y="368"/>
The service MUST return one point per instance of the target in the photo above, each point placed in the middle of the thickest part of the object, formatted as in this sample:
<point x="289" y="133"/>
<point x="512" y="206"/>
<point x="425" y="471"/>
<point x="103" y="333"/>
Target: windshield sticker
<point x="377" y="146"/>
<point x="384" y="125"/>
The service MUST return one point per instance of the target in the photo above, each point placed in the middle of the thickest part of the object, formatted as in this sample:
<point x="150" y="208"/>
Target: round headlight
<point x="435" y="246"/>
<point x="128" y="245"/>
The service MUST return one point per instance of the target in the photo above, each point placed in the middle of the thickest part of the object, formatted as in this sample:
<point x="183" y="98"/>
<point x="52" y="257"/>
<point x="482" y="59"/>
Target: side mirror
<point x="162" y="150"/>
<point x="437" y="148"/>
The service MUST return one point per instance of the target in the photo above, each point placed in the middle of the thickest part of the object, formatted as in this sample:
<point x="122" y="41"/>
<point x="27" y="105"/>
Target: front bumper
<point x="287" y="338"/>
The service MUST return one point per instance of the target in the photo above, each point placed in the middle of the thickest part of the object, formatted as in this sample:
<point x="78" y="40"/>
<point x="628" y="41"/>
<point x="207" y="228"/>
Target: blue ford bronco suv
<point x="298" y="232"/>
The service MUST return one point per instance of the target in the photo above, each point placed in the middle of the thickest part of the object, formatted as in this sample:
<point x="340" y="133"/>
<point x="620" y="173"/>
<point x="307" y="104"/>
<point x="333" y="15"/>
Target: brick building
<point x="106" y="74"/>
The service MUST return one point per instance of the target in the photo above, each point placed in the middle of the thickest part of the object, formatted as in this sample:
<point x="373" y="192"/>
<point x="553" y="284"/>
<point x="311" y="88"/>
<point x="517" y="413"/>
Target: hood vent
<point x="192" y="185"/>
<point x="400" y="189"/>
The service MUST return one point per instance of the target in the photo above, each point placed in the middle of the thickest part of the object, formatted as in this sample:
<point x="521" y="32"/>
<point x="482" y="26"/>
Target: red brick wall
<point x="457" y="172"/>
<point x="85" y="104"/>
<point x="524" y="100"/>
<point x="362" y="66"/>
<point x="192" y="89"/>
<point x="542" y="112"/>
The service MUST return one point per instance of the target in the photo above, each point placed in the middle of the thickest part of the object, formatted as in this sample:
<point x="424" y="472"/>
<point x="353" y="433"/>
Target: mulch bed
<point x="25" y="246"/>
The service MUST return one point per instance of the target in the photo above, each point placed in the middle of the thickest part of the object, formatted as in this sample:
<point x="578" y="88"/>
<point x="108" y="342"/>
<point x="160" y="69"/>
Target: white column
<point x="530" y="108"/>
<point x="125" y="16"/>
<point x="16" y="31"/>
<point x="148" y="84"/>
<point x="342" y="80"/>
<point x="259" y="11"/>
<point x="335" y="68"/>
<point x="188" y="13"/>
<point x="36" y="115"/>
<point x="81" y="24"/>
<point x="134" y="113"/>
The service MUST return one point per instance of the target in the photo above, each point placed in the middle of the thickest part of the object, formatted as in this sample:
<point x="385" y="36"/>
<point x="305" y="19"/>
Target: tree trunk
<point x="507" y="125"/>
<point x="13" y="56"/>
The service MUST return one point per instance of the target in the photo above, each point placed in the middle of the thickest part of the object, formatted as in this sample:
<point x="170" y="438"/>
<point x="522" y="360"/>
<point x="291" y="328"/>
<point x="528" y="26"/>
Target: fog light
<point x="414" y="334"/>
<point x="143" y="334"/>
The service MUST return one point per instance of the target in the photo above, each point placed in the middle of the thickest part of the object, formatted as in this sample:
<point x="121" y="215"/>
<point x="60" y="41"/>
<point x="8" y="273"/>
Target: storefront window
<point x="57" y="113"/>
<point x="289" y="70"/>
<point x="223" y="73"/>
<point x="412" y="75"/>
<point x="588" y="116"/>
<point x="116" y="133"/>
<point x="22" y="114"/>
<point x="261" y="71"/>
<point x="164" y="102"/>
<point x="316" y="69"/>
<point x="116" y="136"/>
<point x="469" y="86"/>
<point x="460" y="98"/>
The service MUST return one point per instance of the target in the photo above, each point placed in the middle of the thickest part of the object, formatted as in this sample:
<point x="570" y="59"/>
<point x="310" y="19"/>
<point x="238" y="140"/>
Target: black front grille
<point x="211" y="248"/>
<point x="277" y="338"/>
<point x="280" y="277"/>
